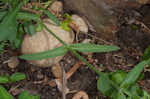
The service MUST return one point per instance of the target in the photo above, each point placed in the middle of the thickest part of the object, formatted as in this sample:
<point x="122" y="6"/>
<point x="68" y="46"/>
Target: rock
<point x="97" y="13"/>
<point x="13" y="62"/>
<point x="43" y="41"/>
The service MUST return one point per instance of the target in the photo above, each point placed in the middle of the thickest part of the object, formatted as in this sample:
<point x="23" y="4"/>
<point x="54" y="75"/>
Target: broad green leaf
<point x="29" y="28"/>
<point x="133" y="75"/>
<point x="120" y="95"/>
<point x="4" y="79"/>
<point x="51" y="16"/>
<point x="2" y="14"/>
<point x="4" y="94"/>
<point x="87" y="47"/>
<point x="146" y="55"/>
<point x="14" y="3"/>
<point x="17" y="77"/>
<point x="26" y="95"/>
<point x="136" y="91"/>
<point x="118" y="76"/>
<point x="105" y="86"/>
<point x="47" y="54"/>
<point x="8" y="26"/>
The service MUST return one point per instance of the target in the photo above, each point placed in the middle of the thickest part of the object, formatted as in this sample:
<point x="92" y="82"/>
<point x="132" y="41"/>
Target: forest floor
<point x="131" y="38"/>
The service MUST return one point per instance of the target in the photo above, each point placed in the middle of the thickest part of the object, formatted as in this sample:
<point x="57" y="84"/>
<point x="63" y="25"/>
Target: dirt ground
<point x="132" y="38"/>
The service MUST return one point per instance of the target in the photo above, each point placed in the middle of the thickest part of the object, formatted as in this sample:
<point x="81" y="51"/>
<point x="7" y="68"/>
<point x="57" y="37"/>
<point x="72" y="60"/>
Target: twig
<point x="64" y="82"/>
<point x="68" y="74"/>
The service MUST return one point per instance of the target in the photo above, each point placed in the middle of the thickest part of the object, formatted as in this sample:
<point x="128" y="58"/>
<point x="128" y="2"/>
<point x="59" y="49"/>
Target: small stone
<point x="142" y="1"/>
<point x="56" y="70"/>
<point x="13" y="62"/>
<point x="40" y="75"/>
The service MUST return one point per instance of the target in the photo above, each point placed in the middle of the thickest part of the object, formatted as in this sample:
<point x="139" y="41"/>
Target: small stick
<point x="64" y="82"/>
<point x="68" y="74"/>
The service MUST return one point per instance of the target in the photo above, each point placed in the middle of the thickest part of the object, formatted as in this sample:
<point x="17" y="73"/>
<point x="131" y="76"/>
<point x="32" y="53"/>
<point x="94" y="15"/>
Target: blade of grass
<point x="47" y="54"/>
<point x="51" y="16"/>
<point x="87" y="47"/>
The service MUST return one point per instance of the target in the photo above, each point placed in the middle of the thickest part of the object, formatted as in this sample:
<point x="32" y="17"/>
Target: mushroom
<point x="80" y="23"/>
<point x="43" y="41"/>
<point x="56" y="7"/>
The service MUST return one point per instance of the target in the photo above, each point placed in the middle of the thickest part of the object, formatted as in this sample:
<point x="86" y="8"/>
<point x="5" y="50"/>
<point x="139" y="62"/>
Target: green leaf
<point x="2" y="45"/>
<point x="26" y="95"/>
<point x="4" y="94"/>
<point x="65" y="25"/>
<point x="118" y="76"/>
<point x="39" y="26"/>
<point x="47" y="54"/>
<point x="87" y="47"/>
<point x="120" y="95"/>
<point x="17" y="77"/>
<point x="146" y="95"/>
<point x="146" y="55"/>
<point x="51" y="16"/>
<point x="14" y="3"/>
<point x="104" y="85"/>
<point x="2" y="14"/>
<point x="17" y="42"/>
<point x="133" y="75"/>
<point x="29" y="28"/>
<point x="135" y="91"/>
<point x="28" y="16"/>
<point x="8" y="26"/>
<point x="4" y="79"/>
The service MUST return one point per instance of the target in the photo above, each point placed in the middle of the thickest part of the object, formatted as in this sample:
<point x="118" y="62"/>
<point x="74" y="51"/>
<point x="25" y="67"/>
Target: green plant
<point x="24" y="95"/>
<point x="12" y="22"/>
<point x="122" y="85"/>
<point x="12" y="79"/>
<point x="117" y="85"/>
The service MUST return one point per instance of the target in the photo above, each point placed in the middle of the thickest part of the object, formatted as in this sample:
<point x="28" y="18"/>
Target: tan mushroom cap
<point x="57" y="6"/>
<point x="43" y="41"/>
<point x="80" y="23"/>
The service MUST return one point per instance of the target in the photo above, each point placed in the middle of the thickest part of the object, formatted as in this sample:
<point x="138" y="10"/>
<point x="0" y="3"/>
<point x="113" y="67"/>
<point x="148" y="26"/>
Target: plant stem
<point x="73" y="51"/>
